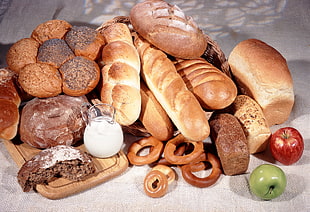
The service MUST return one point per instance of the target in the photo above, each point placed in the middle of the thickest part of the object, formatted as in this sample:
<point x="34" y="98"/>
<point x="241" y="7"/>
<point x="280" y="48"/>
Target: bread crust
<point x="170" y="90"/>
<point x="261" y="72"/>
<point x="166" y="27"/>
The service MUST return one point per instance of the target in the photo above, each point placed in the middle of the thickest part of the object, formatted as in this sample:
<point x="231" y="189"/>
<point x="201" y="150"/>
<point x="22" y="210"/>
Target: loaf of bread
<point x="168" y="28"/>
<point x="253" y="121"/>
<point x="153" y="117"/>
<point x="21" y="53"/>
<point x="261" y="72"/>
<point x="51" y="29"/>
<point x="55" y="162"/>
<point x="52" y="121"/>
<point x="231" y="143"/>
<point x="213" y="89"/>
<point x="121" y="74"/>
<point x="9" y="104"/>
<point x="170" y="90"/>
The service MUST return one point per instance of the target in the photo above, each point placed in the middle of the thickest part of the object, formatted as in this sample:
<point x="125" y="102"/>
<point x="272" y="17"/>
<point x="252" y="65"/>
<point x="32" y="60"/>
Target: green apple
<point x="267" y="181"/>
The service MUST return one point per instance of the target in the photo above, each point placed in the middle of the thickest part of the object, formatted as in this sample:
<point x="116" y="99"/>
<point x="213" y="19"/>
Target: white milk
<point x="103" y="139"/>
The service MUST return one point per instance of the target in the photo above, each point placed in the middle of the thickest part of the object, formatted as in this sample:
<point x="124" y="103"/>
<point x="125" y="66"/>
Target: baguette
<point x="213" y="89"/>
<point x="168" y="87"/>
<point x="121" y="74"/>
<point x="153" y="117"/>
<point x="9" y="104"/>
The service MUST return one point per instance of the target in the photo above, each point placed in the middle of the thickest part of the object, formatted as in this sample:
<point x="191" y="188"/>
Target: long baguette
<point x="170" y="90"/>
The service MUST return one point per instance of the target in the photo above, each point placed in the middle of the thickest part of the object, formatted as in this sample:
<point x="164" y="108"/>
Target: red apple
<point x="286" y="145"/>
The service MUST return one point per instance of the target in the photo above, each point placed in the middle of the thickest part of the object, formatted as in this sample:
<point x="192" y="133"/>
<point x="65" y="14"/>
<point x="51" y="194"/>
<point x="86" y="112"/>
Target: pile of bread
<point x="150" y="68"/>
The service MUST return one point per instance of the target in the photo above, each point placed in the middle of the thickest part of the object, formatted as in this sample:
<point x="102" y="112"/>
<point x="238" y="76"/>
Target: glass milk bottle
<point x="103" y="136"/>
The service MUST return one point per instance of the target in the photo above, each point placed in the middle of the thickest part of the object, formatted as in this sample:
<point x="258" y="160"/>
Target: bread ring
<point x="198" y="166"/>
<point x="171" y="146"/>
<point x="155" y="151"/>
<point x="155" y="184"/>
<point x="169" y="172"/>
<point x="180" y="149"/>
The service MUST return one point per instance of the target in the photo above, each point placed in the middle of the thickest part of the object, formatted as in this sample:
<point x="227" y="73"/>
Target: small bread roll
<point x="261" y="72"/>
<point x="40" y="80"/>
<point x="22" y="53"/>
<point x="253" y="121"/>
<point x="50" y="29"/>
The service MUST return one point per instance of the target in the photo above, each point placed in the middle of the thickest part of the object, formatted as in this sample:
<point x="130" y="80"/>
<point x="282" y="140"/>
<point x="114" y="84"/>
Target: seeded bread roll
<point x="231" y="143"/>
<point x="54" y="52"/>
<point x="168" y="28"/>
<point x="52" y="121"/>
<point x="253" y="121"/>
<point x="161" y="77"/>
<point x="80" y="76"/>
<point x="21" y="53"/>
<point x="213" y="89"/>
<point x="85" y="41"/>
<point x="55" y="162"/>
<point x="50" y="29"/>
<point x="9" y="104"/>
<point x="261" y="72"/>
<point x="40" y="80"/>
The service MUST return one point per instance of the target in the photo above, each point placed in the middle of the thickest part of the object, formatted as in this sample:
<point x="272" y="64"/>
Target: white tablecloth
<point x="283" y="24"/>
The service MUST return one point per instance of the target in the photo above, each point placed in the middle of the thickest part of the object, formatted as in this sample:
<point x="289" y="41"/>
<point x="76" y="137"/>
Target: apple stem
<point x="270" y="189"/>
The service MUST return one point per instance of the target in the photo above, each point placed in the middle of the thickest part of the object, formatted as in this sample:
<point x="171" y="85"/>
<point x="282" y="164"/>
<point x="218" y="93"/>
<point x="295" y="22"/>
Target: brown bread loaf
<point x="231" y="143"/>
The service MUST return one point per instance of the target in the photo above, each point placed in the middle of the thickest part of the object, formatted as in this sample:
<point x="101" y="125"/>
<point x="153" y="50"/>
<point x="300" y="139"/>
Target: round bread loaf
<point x="59" y="161"/>
<point x="21" y="53"/>
<point x="40" y="80"/>
<point x="52" y="121"/>
<point x="261" y="72"/>
<point x="168" y="28"/>
<point x="85" y="41"/>
<point x="54" y="52"/>
<point x="80" y="76"/>
<point x="50" y="29"/>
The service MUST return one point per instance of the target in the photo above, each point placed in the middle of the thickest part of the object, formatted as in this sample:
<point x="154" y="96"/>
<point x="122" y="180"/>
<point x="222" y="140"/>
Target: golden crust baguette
<point x="168" y="87"/>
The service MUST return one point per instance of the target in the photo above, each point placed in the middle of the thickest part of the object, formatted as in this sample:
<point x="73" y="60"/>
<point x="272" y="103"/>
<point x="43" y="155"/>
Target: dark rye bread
<point x="80" y="76"/>
<point x="231" y="143"/>
<point x="85" y="41"/>
<point x="54" y="52"/>
<point x="59" y="161"/>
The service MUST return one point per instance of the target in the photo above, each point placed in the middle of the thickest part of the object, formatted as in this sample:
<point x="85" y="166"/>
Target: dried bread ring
<point x="169" y="172"/>
<point x="171" y="146"/>
<point x="199" y="166"/>
<point x="155" y="151"/>
<point x="155" y="184"/>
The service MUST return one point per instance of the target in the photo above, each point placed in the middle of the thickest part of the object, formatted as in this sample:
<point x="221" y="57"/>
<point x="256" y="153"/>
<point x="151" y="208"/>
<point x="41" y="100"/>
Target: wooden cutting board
<point x="106" y="169"/>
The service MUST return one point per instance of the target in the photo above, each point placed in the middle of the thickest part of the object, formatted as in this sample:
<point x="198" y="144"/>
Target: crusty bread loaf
<point x="9" y="104"/>
<point x="231" y="143"/>
<point x="53" y="121"/>
<point x="80" y="76"/>
<point x="261" y="72"/>
<point x="168" y="28"/>
<point x="170" y="90"/>
<point x="213" y="89"/>
<point x="50" y="29"/>
<point x="54" y="52"/>
<point x="121" y="74"/>
<point x="40" y="80"/>
<point x="21" y="53"/>
<point x="253" y="121"/>
<point x="153" y="117"/>
<point x="85" y="41"/>
<point x="49" y="164"/>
